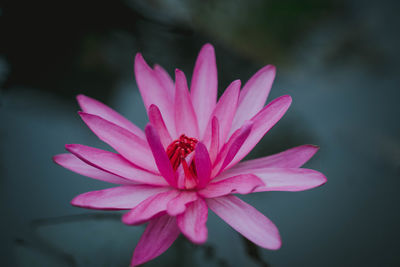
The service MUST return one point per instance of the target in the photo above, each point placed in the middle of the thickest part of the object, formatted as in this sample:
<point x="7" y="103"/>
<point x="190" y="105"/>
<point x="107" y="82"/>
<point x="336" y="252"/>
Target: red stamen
<point x="177" y="152"/>
<point x="179" y="149"/>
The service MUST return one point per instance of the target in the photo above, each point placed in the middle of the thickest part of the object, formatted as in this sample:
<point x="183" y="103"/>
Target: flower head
<point x="187" y="159"/>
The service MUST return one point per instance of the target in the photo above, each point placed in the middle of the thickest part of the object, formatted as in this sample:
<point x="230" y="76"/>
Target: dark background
<point x="339" y="60"/>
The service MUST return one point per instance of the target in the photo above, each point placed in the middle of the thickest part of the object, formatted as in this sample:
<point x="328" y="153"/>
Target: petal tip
<point x="271" y="67"/>
<point x="207" y="47"/>
<point x="81" y="97"/>
<point x="276" y="246"/>
<point x="125" y="219"/>
<point x="139" y="56"/>
<point x="140" y="63"/>
<point x="55" y="158"/>
<point x="178" y="72"/>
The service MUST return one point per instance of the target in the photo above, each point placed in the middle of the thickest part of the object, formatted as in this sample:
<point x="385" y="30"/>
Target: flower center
<point x="179" y="149"/>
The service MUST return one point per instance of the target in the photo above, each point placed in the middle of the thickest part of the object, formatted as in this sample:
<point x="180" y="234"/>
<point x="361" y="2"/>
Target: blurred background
<point x="339" y="60"/>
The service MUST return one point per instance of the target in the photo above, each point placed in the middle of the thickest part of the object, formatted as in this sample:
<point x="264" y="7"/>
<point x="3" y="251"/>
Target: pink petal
<point x="241" y="184"/>
<point x="204" y="86"/>
<point x="246" y="220"/>
<point x="160" y="156"/>
<point x="226" y="109"/>
<point x="149" y="208"/>
<point x="115" y="164"/>
<point x="94" y="107"/>
<point x="215" y="143"/>
<point x="203" y="164"/>
<point x="284" y="179"/>
<point x="165" y="80"/>
<point x="130" y="146"/>
<point x="263" y="122"/>
<point x="253" y="95"/>
<point x="117" y="198"/>
<point x="153" y="92"/>
<point x="180" y="177"/>
<point x="185" y="117"/>
<point x="157" y="121"/>
<point x="71" y="162"/>
<point x="237" y="143"/>
<point x="291" y="158"/>
<point x="178" y="205"/>
<point x="230" y="149"/>
<point x="192" y="223"/>
<point x="159" y="235"/>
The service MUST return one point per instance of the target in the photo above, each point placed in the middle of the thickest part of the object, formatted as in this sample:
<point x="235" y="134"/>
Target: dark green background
<point x="339" y="60"/>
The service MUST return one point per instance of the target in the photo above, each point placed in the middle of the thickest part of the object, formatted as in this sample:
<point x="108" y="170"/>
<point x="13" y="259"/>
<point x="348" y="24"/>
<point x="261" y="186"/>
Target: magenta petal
<point x="130" y="146"/>
<point x="253" y="95"/>
<point x="153" y="92"/>
<point x="203" y="164"/>
<point x="178" y="205"/>
<point x="204" y="86"/>
<point x="149" y="208"/>
<point x="226" y="109"/>
<point x="231" y="148"/>
<point x="246" y="220"/>
<point x="71" y="162"/>
<point x="157" y="121"/>
<point x="215" y="142"/>
<point x="289" y="179"/>
<point x="165" y="80"/>
<point x="280" y="179"/>
<point x="94" y="107"/>
<point x="291" y="158"/>
<point x="160" y="156"/>
<point x="263" y="122"/>
<point x="114" y="163"/>
<point x="192" y="223"/>
<point x="117" y="198"/>
<point x="159" y="235"/>
<point x="241" y="184"/>
<point x="185" y="117"/>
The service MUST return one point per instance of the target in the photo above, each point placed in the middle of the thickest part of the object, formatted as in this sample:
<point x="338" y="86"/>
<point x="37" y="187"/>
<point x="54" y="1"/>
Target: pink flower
<point x="187" y="159"/>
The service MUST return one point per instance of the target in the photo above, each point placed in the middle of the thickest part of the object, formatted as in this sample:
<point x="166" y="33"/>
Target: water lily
<point x="186" y="161"/>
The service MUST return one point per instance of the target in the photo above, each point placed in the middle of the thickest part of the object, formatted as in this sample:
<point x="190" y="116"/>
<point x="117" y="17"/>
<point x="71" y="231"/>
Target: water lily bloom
<point x="186" y="161"/>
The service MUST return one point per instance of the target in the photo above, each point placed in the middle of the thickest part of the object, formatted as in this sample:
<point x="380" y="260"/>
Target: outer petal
<point x="149" y="208"/>
<point x="283" y="179"/>
<point x="246" y="220"/>
<point x="185" y="117"/>
<point x="178" y="205"/>
<point x="159" y="235"/>
<point x="193" y="222"/>
<point x="226" y="109"/>
<point x="204" y="86"/>
<point x="253" y="95"/>
<point x="153" y="92"/>
<point x="165" y="80"/>
<point x="117" y="198"/>
<point x="157" y="121"/>
<point x="263" y="122"/>
<point x="163" y="163"/>
<point x="241" y="184"/>
<point x="130" y="146"/>
<point x="203" y="164"/>
<point x="74" y="164"/>
<point x="92" y="106"/>
<point x="115" y="164"/>
<point x="291" y="158"/>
